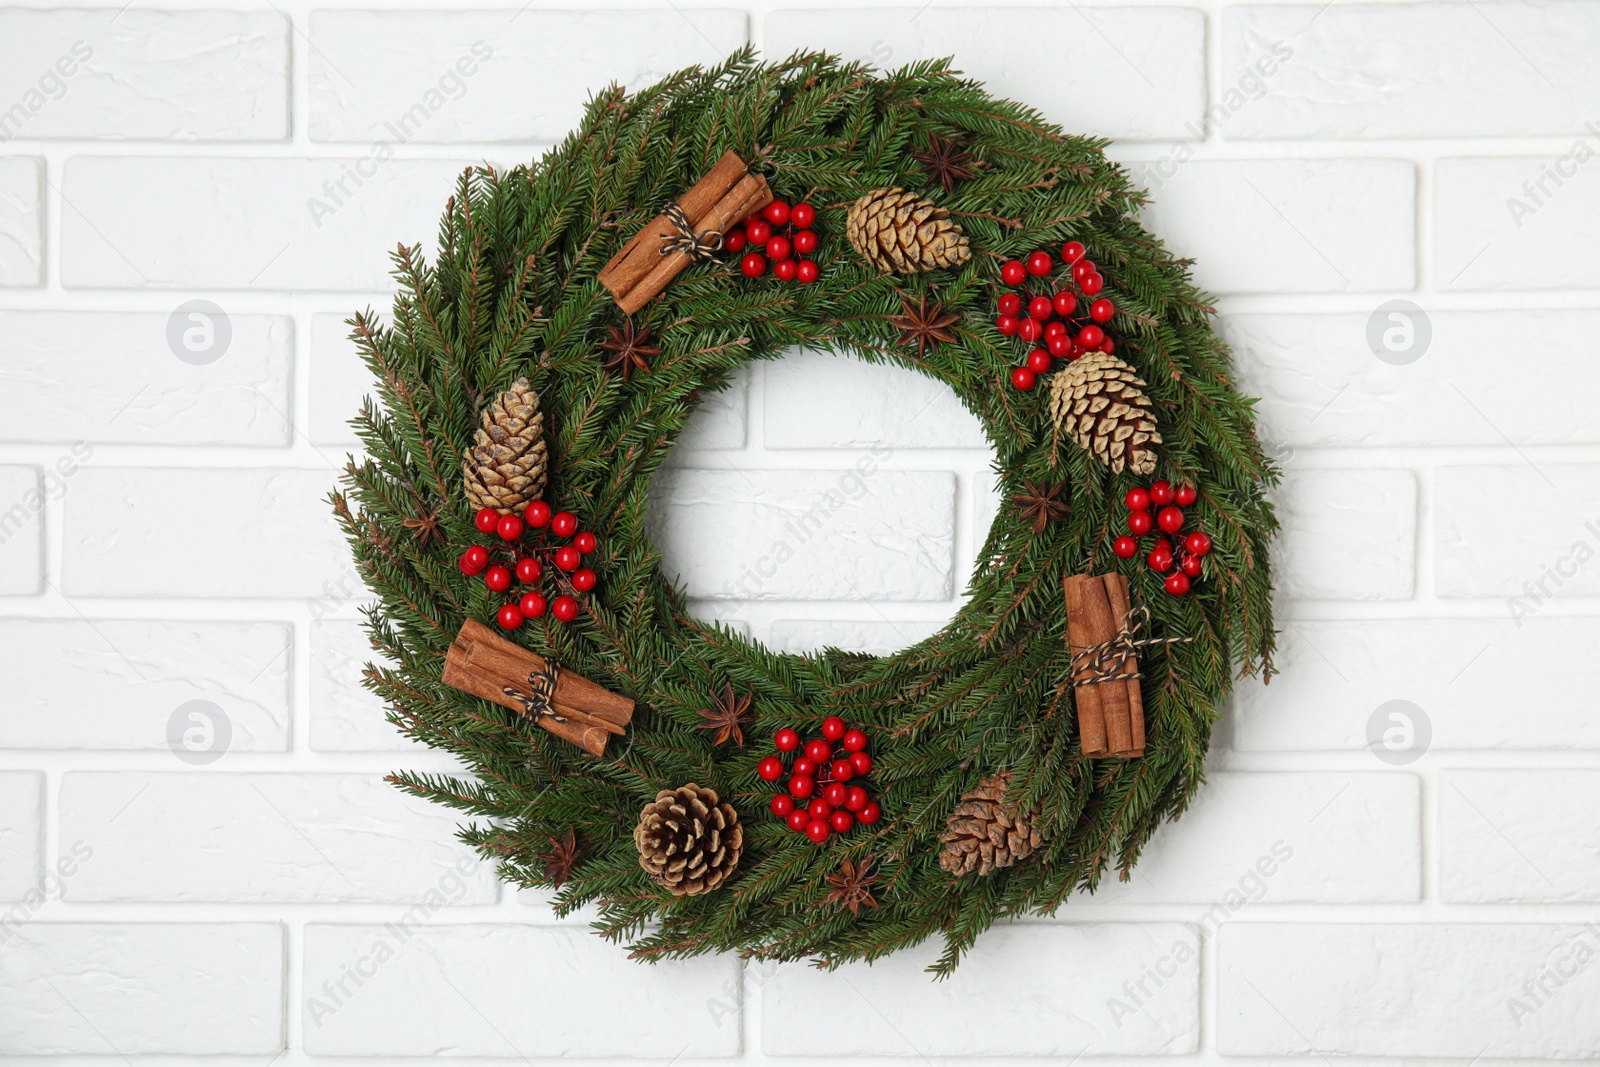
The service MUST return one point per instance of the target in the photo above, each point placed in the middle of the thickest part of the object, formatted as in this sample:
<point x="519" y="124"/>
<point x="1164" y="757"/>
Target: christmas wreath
<point x="704" y="792"/>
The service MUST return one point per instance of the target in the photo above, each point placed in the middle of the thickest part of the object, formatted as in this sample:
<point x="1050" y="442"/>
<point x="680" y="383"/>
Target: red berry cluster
<point x="783" y="249"/>
<point x="1053" y="320"/>
<point x="818" y="802"/>
<point x="1182" y="561"/>
<point x="526" y="558"/>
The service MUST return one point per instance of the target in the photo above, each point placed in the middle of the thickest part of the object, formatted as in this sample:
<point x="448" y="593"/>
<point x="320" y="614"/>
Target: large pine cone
<point x="1100" y="402"/>
<point x="983" y="833"/>
<point x="688" y="842"/>
<point x="507" y="465"/>
<point x="898" y="231"/>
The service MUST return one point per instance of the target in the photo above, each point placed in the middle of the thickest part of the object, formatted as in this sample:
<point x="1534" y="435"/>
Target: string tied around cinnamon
<point x="541" y="691"/>
<point x="1107" y="661"/>
<point x="699" y="247"/>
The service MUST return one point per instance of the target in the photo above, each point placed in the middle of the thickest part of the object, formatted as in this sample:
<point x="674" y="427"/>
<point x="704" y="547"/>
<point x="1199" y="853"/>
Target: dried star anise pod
<point x="852" y="886"/>
<point x="945" y="162"/>
<point x="563" y="854"/>
<point x="426" y="527"/>
<point x="627" y="349"/>
<point x="1041" y="506"/>
<point x="727" y="715"/>
<point x="928" y="327"/>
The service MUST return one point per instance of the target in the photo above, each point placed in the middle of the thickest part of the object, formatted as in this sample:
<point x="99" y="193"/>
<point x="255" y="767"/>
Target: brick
<point x="1362" y="989"/>
<point x="1481" y="551"/>
<point x="164" y="532"/>
<point x="1133" y="74"/>
<point x="1445" y="70"/>
<point x="130" y="989"/>
<point x="1521" y="222"/>
<point x="21" y="221"/>
<point x="1282" y="838"/>
<point x="879" y="637"/>
<point x="1039" y="990"/>
<point x="822" y="400"/>
<point x="114" y="377"/>
<point x="144" y="75"/>
<point x="345" y="717"/>
<point x="285" y="223"/>
<point x="263" y="838"/>
<point x="339" y="382"/>
<point x="441" y="76"/>
<point x="124" y="679"/>
<point x="1333" y="225"/>
<point x="719" y="424"/>
<point x="863" y="533"/>
<point x="21" y="511"/>
<point x="502" y="993"/>
<point x="1520" y="836"/>
<point x="1347" y="535"/>
<point x="21" y="836"/>
<point x="1462" y="673"/>
<point x="1321" y="385"/>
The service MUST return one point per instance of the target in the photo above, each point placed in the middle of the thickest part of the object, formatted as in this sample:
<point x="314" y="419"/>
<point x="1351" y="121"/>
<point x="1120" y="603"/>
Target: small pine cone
<point x="507" y="465"/>
<point x="1100" y="402"/>
<point x="898" y="231"/>
<point x="688" y="842"/>
<point x="984" y="834"/>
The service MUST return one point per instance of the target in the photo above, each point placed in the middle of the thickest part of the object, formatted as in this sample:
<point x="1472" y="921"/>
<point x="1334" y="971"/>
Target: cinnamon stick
<point x="1113" y="695"/>
<point x="642" y="254"/>
<point x="749" y="195"/>
<point x="1080" y="636"/>
<point x="1117" y="593"/>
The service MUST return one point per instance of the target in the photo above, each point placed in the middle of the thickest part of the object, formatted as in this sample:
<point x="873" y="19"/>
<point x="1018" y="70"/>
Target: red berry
<point x="586" y="542"/>
<point x="1040" y="307"/>
<point x="833" y="728"/>
<point x="1108" y="346"/>
<point x="785" y="270"/>
<point x="1137" y="499"/>
<point x="583" y="579"/>
<point x="855" y="798"/>
<point x="1029" y="329"/>
<point x="1177" y="583"/>
<point x="753" y="265"/>
<point x="531" y="605"/>
<point x="487" y="520"/>
<point x="869" y="814"/>
<point x="497" y="578"/>
<point x="1060" y="346"/>
<point x="568" y="558"/>
<point x="805" y="242"/>
<point x="1013" y="273"/>
<point x="1160" y="561"/>
<point x="1170" y="519"/>
<point x="779" y="248"/>
<point x="1186" y="495"/>
<point x="818" y="831"/>
<point x="1091" y="336"/>
<point x="819" y="808"/>
<point x="861" y="763"/>
<point x="807" y="272"/>
<point x="841" y="770"/>
<point x="759" y="230"/>
<point x="806" y="766"/>
<point x="1010" y="304"/>
<point x="1192" y="566"/>
<point x="1197" y="543"/>
<point x="819" y="751"/>
<point x="537" y="515"/>
<point x="842" y="821"/>
<point x="1102" y="310"/>
<point x="782" y="805"/>
<point x="1039" y="264"/>
<point x="1022" y="378"/>
<point x="509" y="617"/>
<point x="776" y="213"/>
<point x="1054" y="328"/>
<point x="770" y="770"/>
<point x="564" y="608"/>
<point x="735" y="240"/>
<point x="474" y="559"/>
<point x="528" y="570"/>
<point x="855" y="740"/>
<point x="1162" y="493"/>
<point x="834" y="793"/>
<point x="786" y="739"/>
<point x="1064" y="303"/>
<point x="1139" y="523"/>
<point x="1006" y="324"/>
<point x="1072" y="251"/>
<point x="1082" y="269"/>
<point x="1092" y="284"/>
<point x="802" y="786"/>
<point x="1124" y="547"/>
<point x="563" y="524"/>
<point x="803" y="215"/>
<point x="1039" y="361"/>
<point x="510" y="528"/>
<point x="798" y="820"/>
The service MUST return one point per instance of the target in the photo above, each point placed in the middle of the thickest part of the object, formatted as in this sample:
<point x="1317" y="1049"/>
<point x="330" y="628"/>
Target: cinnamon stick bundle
<point x="639" y="272"/>
<point x="1110" y="713"/>
<point x="483" y="663"/>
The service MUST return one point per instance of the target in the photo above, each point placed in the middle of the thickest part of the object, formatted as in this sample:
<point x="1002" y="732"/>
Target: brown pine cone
<point x="688" y="842"/>
<point x="507" y="465"/>
<point x="898" y="231"/>
<point x="984" y="834"/>
<point x="1099" y="401"/>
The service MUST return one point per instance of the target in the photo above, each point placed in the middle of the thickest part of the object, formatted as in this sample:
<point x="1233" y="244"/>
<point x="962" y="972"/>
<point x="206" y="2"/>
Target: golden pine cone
<point x="507" y="465"/>
<point x="898" y="231"/>
<point x="687" y="842"/>
<point x="984" y="834"/>
<point x="1100" y="402"/>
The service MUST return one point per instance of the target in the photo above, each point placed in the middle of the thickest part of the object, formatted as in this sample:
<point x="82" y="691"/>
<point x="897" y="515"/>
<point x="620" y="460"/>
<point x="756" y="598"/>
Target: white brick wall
<point x="1395" y="852"/>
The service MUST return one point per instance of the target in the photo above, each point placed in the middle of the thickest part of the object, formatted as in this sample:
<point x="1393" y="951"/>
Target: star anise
<point x="928" y="327"/>
<point x="627" y="349"/>
<point x="1041" y="505"/>
<point x="559" y="861"/>
<point x="945" y="162"/>
<point x="852" y="886"/>
<point x="727" y="715"/>
<point x="426" y="527"/>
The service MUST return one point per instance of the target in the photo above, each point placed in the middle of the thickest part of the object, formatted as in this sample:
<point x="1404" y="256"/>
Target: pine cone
<point x="688" y="842"/>
<point x="1098" y="400"/>
<point x="898" y="231"/>
<point x="983" y="833"/>
<point x="507" y="465"/>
